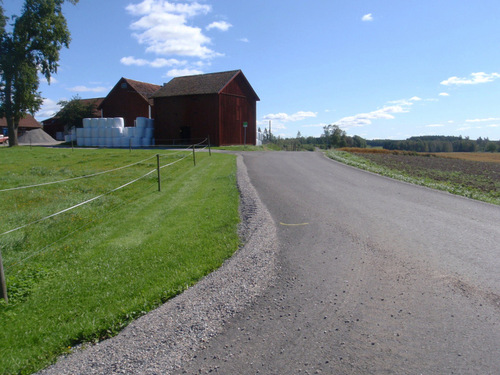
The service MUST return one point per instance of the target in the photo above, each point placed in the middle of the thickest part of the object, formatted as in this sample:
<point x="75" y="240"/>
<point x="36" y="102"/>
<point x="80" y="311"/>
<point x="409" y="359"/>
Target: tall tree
<point x="335" y="137"/>
<point x="31" y="47"/>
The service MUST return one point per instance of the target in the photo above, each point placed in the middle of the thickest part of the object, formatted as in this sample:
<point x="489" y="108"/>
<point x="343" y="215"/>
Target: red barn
<point x="129" y="99"/>
<point x="27" y="123"/>
<point x="191" y="108"/>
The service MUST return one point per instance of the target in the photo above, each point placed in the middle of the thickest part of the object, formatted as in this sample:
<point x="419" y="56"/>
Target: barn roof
<point x="27" y="122"/>
<point x="201" y="84"/>
<point x="142" y="88"/>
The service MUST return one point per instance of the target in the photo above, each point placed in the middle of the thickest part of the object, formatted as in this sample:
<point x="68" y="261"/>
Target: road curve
<point x="376" y="277"/>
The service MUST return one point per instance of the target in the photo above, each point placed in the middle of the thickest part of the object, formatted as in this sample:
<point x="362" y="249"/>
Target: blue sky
<point x="377" y="68"/>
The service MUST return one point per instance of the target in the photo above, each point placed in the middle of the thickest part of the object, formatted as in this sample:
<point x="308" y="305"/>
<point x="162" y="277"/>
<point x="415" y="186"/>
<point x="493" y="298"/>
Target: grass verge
<point x="84" y="275"/>
<point x="459" y="183"/>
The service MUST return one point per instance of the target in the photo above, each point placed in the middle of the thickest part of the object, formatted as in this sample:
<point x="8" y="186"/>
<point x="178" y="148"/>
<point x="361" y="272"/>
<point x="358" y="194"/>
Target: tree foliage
<point x="74" y="111"/>
<point x="332" y="136"/>
<point x="32" y="47"/>
<point x="335" y="137"/>
<point x="437" y="143"/>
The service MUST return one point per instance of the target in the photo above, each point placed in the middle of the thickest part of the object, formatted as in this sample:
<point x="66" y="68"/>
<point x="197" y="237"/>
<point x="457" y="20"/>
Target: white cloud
<point x="48" y="110"/>
<point x="415" y="99"/>
<point x="385" y="113"/>
<point x="483" y="119"/>
<point x="493" y="126"/>
<point x="219" y="25"/>
<point x="301" y="115"/>
<point x="444" y="94"/>
<point x="475" y="79"/>
<point x="52" y="80"/>
<point x="320" y="125"/>
<point x="367" y="17"/>
<point x="156" y="63"/>
<point x="163" y="27"/>
<point x="244" y="40"/>
<point x="434" y="125"/>
<point x="89" y="89"/>
<point x="182" y="72"/>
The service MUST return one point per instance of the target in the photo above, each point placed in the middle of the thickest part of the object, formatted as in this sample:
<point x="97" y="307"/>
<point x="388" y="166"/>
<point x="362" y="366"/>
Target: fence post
<point x="130" y="144"/>
<point x="158" y="167"/>
<point x="209" y="150"/>
<point x="2" y="280"/>
<point x="194" y="157"/>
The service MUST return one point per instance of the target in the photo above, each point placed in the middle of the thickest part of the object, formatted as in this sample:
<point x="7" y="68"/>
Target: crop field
<point x="474" y="179"/>
<point x="84" y="274"/>
<point x="488" y="157"/>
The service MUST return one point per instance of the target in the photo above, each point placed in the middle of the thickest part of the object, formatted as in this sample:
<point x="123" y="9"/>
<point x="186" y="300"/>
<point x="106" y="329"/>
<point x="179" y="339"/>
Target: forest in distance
<point x="334" y="137"/>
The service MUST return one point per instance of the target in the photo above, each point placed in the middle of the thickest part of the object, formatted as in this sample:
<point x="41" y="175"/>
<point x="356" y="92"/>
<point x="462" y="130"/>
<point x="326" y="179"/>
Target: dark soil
<point x="481" y="176"/>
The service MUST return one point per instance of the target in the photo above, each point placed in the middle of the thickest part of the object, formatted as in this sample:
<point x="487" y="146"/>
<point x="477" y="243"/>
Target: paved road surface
<point x="377" y="277"/>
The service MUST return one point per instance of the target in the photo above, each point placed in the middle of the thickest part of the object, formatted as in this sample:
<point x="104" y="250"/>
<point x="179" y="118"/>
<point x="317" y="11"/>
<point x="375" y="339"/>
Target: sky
<point x="380" y="69"/>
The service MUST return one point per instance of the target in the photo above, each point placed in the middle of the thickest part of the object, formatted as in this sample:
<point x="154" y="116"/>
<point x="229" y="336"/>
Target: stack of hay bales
<point x="111" y="132"/>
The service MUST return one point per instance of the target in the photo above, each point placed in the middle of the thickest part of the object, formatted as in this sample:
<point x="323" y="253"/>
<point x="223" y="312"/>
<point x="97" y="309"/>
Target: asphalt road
<point x="376" y="277"/>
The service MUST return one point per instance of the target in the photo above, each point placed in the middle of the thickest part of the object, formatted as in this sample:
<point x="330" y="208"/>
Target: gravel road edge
<point x="164" y="339"/>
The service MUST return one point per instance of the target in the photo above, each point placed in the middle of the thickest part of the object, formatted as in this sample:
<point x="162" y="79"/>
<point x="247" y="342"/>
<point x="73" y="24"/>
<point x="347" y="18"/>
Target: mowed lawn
<point x="85" y="274"/>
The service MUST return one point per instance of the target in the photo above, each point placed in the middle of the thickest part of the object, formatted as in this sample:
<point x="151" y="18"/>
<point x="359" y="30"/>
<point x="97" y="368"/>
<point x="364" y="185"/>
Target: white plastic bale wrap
<point x="125" y="141"/>
<point x="116" y="142"/>
<point x="139" y="132"/>
<point x="149" y="132"/>
<point x="79" y="133"/>
<point x="87" y="132"/>
<point x="116" y="132"/>
<point x="102" y="122"/>
<point x="146" y="142"/>
<point x="87" y="123"/>
<point x="141" y="122"/>
<point x="136" y="142"/>
<point x="94" y="132"/>
<point x="94" y="122"/>
<point x="102" y="132"/>
<point x="150" y="123"/>
<point x="119" y="122"/>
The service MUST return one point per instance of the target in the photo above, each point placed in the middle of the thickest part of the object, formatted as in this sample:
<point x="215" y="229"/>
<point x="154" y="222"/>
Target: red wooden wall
<point x="219" y="116"/>
<point x="190" y="117"/>
<point x="126" y="103"/>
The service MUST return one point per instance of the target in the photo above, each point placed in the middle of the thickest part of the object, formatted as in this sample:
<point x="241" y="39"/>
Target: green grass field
<point x="85" y="274"/>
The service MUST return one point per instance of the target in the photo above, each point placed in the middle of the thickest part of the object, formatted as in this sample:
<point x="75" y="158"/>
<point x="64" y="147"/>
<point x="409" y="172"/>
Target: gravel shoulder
<point x="168" y="337"/>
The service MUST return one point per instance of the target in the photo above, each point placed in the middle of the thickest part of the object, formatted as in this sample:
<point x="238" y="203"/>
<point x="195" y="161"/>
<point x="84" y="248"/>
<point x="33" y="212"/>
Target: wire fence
<point x="181" y="155"/>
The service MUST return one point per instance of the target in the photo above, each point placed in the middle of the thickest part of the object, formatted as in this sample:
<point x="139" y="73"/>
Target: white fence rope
<point x="46" y="248"/>
<point x="77" y="178"/>
<point x="92" y="199"/>
<point x="77" y="205"/>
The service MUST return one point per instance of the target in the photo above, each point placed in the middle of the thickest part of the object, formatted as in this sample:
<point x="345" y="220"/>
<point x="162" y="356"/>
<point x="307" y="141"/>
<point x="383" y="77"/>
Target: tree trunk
<point x="12" y="123"/>
<point x="13" y="127"/>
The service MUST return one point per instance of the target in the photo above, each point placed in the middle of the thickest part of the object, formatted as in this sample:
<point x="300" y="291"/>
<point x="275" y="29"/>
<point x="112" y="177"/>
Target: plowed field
<point x="483" y="176"/>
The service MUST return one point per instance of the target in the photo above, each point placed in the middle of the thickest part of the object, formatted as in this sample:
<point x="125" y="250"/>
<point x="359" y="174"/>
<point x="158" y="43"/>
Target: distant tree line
<point x="332" y="137"/>
<point x="438" y="143"/>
